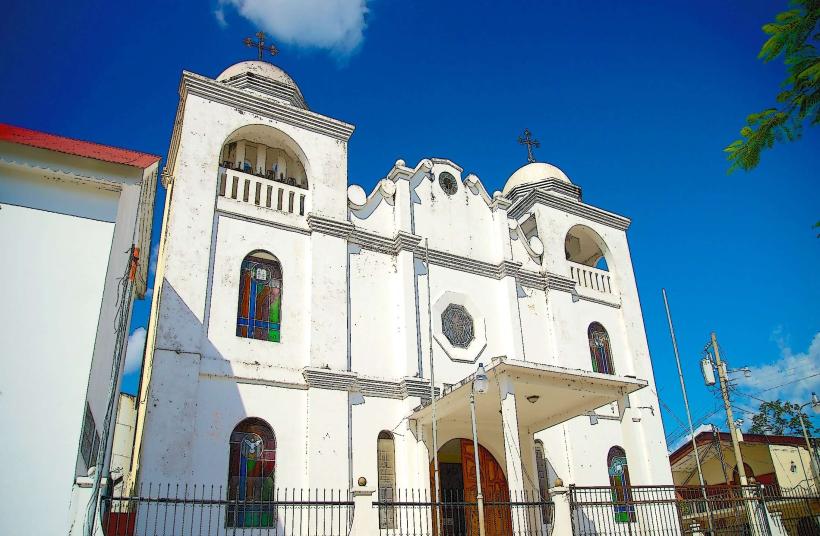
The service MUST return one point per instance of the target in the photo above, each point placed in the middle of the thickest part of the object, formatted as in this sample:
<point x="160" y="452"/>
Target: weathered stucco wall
<point x="356" y="317"/>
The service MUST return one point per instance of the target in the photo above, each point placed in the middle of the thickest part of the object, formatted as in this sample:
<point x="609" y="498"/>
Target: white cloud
<point x="152" y="259"/>
<point x="791" y="377"/>
<point x="334" y="25"/>
<point x="134" y="350"/>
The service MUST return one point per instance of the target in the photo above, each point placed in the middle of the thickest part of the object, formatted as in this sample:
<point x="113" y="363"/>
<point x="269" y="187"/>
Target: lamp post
<point x="479" y="386"/>
<point x="815" y="405"/>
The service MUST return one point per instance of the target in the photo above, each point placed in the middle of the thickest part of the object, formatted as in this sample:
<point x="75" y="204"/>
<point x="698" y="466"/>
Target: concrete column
<point x="327" y="446"/>
<point x="261" y="158"/>
<point x="240" y="153"/>
<point x="281" y="162"/>
<point x="562" y="515"/>
<point x="365" y="515"/>
<point x="513" y="314"/>
<point x="512" y="449"/>
<point x="406" y="340"/>
<point x="328" y="302"/>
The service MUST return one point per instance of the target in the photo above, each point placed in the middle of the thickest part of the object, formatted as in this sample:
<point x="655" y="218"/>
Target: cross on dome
<point x="527" y="140"/>
<point x="259" y="44"/>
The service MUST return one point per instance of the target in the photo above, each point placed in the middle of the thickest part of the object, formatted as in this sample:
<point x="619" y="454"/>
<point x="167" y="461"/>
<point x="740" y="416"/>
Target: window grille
<point x="89" y="439"/>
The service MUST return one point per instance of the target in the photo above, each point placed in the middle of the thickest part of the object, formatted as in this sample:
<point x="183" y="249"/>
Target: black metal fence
<point x="415" y="513"/>
<point x="206" y="510"/>
<point x="795" y="511"/>
<point x="693" y="510"/>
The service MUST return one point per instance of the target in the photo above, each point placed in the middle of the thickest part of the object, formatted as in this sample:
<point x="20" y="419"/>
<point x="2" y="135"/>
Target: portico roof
<point x="562" y="394"/>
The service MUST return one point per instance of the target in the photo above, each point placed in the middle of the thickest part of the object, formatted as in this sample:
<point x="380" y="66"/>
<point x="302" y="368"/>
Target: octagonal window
<point x="457" y="325"/>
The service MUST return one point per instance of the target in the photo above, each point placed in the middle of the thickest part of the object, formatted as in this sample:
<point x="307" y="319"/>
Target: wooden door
<point x="497" y="518"/>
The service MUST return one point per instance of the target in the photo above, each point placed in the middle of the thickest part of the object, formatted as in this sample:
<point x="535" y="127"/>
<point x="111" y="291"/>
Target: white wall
<point x="52" y="272"/>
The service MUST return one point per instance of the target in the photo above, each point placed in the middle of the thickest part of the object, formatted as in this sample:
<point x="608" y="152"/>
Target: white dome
<point x="258" y="68"/>
<point x="532" y="173"/>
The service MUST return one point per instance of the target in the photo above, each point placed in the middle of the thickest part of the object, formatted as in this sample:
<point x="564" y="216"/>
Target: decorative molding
<point x="404" y="241"/>
<point x="548" y="185"/>
<point x="329" y="226"/>
<point x="525" y="204"/>
<point x="240" y="99"/>
<point x="560" y="282"/>
<point x="104" y="183"/>
<point x="338" y="380"/>
<point x="223" y="208"/>
<point x="599" y="301"/>
<point x="252" y="82"/>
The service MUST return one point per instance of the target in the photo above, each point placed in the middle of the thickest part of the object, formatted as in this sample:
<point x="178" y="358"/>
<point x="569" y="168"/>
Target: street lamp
<point x="480" y="384"/>
<point x="815" y="405"/>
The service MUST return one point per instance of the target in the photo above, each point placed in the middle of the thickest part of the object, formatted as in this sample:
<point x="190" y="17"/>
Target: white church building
<point x="298" y="320"/>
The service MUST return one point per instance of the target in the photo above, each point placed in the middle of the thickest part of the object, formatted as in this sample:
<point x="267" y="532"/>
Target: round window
<point x="447" y="182"/>
<point x="457" y="325"/>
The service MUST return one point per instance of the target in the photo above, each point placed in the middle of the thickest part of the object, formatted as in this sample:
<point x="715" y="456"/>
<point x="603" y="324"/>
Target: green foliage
<point x="780" y="418"/>
<point x="793" y="35"/>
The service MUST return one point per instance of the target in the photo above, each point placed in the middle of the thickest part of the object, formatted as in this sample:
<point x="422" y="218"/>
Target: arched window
<point x="600" y="349"/>
<point x="543" y="481"/>
<point x="260" y="298"/>
<point x="251" y="475"/>
<point x="619" y="482"/>
<point x="386" y="467"/>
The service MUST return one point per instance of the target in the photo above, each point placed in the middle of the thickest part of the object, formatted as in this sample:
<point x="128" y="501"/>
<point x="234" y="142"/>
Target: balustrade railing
<point x="262" y="192"/>
<point x="591" y="278"/>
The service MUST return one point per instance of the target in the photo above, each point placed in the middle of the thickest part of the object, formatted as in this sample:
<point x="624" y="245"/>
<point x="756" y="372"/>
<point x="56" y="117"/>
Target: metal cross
<point x="259" y="44"/>
<point x="527" y="140"/>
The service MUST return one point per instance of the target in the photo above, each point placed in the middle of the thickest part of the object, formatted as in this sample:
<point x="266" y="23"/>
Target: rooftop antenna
<point x="259" y="45"/>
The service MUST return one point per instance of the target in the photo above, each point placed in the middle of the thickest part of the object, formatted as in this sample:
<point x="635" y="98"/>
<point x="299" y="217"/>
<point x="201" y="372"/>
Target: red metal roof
<point x="61" y="144"/>
<point x="704" y="438"/>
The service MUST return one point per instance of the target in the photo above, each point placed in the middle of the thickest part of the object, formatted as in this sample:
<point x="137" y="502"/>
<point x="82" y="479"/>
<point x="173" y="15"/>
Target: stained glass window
<point x="457" y="325"/>
<point x="600" y="349"/>
<point x="260" y="298"/>
<point x="251" y="471"/>
<point x="386" y="466"/>
<point x="619" y="482"/>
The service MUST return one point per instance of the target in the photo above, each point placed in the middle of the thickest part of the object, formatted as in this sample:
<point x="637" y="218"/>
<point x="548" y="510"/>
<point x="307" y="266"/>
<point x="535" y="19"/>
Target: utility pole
<point x="724" y="390"/>
<point x="688" y="414"/>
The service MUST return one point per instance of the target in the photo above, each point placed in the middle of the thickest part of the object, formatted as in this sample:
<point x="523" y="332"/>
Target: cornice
<point x="240" y="99"/>
<point x="537" y="196"/>
<point x="320" y="378"/>
<point x="251" y="82"/>
<point x="547" y="185"/>
<point x="329" y="226"/>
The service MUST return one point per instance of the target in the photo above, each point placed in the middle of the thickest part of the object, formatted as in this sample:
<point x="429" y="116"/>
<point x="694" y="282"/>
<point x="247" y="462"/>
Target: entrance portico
<point x="523" y="398"/>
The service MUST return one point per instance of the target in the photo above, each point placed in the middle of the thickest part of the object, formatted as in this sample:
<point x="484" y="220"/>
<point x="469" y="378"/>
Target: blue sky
<point x="634" y="101"/>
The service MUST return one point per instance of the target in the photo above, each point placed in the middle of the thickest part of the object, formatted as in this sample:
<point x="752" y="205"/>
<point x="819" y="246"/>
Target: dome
<point x="258" y="68"/>
<point x="532" y="173"/>
<point x="263" y="77"/>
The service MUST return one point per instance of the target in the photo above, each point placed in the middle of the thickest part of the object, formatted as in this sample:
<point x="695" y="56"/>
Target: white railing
<point x="262" y="192"/>
<point x="591" y="278"/>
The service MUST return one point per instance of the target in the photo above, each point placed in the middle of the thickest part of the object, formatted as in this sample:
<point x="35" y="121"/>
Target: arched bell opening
<point x="265" y="152"/>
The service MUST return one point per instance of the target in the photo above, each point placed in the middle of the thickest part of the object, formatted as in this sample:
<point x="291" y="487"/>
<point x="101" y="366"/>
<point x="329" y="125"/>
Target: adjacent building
<point x="75" y="228"/>
<point x="777" y="462"/>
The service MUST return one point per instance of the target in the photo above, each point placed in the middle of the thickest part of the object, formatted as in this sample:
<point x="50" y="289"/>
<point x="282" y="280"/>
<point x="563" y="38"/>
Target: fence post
<point x="365" y="514"/>
<point x="562" y="516"/>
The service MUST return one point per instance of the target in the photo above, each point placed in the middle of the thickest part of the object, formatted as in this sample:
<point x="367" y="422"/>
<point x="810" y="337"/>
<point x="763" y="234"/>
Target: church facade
<point x="300" y="320"/>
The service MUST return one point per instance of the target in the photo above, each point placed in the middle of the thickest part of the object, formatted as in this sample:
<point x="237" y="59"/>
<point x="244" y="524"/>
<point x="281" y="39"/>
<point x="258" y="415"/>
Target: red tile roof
<point x="61" y="144"/>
